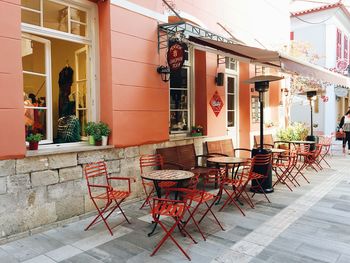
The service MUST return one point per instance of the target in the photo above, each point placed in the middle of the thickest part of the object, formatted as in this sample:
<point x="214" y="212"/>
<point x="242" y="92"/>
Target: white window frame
<point x="235" y="101"/>
<point x="91" y="40"/>
<point x="48" y="85"/>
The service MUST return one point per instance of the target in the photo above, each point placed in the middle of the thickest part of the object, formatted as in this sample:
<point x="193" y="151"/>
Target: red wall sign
<point x="175" y="55"/>
<point x="216" y="103"/>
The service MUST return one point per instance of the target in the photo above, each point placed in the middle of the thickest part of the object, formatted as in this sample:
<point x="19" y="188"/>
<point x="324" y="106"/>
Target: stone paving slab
<point x="310" y="224"/>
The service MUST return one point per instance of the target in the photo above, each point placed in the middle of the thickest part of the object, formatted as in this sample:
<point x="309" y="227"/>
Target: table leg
<point x="159" y="195"/>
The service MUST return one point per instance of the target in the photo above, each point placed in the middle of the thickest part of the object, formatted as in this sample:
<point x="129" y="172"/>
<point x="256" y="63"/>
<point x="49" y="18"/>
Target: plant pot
<point x="196" y="134"/>
<point x="91" y="140"/>
<point x="98" y="143"/>
<point x="104" y="140"/>
<point x="33" y="145"/>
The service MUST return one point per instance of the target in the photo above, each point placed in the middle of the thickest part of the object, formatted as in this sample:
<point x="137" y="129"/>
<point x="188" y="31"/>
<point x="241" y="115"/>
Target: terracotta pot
<point x="33" y="145"/>
<point x="98" y="143"/>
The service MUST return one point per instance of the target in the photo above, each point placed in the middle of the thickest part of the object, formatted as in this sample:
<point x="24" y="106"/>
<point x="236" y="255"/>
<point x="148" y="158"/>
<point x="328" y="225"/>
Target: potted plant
<point x="105" y="131"/>
<point x="97" y="136"/>
<point x="90" y="130"/>
<point x="197" y="130"/>
<point x="34" y="140"/>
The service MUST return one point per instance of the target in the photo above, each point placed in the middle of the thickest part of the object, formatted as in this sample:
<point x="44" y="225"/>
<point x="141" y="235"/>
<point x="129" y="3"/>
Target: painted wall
<point x="12" y="141"/>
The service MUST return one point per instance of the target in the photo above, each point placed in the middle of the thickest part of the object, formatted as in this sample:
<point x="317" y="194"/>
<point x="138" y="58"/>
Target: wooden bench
<point x="225" y="148"/>
<point x="268" y="141"/>
<point x="184" y="157"/>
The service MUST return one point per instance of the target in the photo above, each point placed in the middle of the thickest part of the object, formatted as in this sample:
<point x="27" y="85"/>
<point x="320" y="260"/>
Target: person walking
<point x="345" y="127"/>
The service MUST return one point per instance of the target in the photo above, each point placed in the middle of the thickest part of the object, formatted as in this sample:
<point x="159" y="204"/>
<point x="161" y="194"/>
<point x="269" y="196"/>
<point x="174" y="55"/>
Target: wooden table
<point x="166" y="175"/>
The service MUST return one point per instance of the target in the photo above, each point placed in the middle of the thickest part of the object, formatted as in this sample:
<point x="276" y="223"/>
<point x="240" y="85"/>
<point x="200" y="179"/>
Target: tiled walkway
<point x="310" y="224"/>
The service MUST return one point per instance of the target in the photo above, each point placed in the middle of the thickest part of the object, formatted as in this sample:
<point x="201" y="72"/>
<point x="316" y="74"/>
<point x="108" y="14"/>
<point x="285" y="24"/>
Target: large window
<point x="179" y="100"/>
<point x="55" y="15"/>
<point x="56" y="61"/>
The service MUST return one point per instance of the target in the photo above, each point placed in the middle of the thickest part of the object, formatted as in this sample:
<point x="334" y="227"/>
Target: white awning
<point x="285" y="62"/>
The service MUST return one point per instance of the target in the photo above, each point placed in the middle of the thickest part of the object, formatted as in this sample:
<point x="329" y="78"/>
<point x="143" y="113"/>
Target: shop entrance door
<point x="36" y="61"/>
<point x="231" y="107"/>
<point x="81" y="87"/>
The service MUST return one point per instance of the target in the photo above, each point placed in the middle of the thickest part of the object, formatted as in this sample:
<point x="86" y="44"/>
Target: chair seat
<point x="203" y="197"/>
<point x="113" y="195"/>
<point x="148" y="183"/>
<point x="166" y="209"/>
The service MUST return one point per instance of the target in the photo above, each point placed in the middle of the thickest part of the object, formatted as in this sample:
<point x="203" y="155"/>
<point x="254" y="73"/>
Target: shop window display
<point x="179" y="100"/>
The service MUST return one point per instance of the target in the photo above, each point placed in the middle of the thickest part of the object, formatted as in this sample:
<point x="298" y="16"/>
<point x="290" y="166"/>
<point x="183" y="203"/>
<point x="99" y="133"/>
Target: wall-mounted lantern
<point x="164" y="71"/>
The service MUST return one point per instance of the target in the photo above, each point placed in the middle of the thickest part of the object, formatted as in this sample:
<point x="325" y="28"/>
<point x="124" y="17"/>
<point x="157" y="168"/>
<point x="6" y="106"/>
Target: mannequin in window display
<point x="65" y="82"/>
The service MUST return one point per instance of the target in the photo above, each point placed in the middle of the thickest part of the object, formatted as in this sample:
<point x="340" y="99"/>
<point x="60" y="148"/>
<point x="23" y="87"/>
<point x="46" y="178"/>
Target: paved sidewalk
<point x="310" y="224"/>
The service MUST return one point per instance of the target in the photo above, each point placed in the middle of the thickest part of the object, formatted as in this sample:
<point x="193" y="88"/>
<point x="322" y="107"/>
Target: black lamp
<point x="164" y="71"/>
<point x="261" y="84"/>
<point x="311" y="96"/>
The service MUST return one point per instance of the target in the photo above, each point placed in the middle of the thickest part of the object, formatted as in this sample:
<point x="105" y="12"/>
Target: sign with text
<point x="216" y="103"/>
<point x="176" y="55"/>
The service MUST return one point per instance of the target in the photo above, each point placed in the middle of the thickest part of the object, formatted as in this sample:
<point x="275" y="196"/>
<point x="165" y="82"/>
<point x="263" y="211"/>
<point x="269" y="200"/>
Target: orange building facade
<point x="112" y="48"/>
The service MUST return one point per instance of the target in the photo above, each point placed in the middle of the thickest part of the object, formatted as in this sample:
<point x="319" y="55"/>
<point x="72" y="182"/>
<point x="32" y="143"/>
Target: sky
<point x="299" y="5"/>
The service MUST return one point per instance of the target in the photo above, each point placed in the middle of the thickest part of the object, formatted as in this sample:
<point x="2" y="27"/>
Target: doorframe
<point x="235" y="129"/>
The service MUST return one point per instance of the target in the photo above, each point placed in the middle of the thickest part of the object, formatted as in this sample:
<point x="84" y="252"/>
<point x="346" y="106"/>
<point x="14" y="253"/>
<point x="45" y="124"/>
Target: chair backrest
<point x="262" y="160"/>
<point x="222" y="147"/>
<point x="95" y="170"/>
<point x="185" y="155"/>
<point x="151" y="160"/>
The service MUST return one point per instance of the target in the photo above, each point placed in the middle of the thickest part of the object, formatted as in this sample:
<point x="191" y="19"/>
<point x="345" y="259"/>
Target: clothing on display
<point x="65" y="82"/>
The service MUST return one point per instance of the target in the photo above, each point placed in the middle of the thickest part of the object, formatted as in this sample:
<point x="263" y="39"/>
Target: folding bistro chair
<point x="152" y="161"/>
<point x="325" y="142"/>
<point x="175" y="209"/>
<point x="283" y="165"/>
<point x="111" y="197"/>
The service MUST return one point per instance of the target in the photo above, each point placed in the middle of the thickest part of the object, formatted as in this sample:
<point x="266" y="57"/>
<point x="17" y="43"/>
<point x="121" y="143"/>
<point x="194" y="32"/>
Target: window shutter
<point x="346" y="48"/>
<point x="292" y="35"/>
<point x="338" y="45"/>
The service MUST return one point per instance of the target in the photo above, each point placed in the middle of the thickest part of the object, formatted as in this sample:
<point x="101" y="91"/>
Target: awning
<point x="285" y="62"/>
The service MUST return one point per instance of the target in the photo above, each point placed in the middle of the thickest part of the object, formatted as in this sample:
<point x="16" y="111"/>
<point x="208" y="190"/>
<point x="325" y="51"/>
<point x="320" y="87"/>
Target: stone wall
<point x="39" y="192"/>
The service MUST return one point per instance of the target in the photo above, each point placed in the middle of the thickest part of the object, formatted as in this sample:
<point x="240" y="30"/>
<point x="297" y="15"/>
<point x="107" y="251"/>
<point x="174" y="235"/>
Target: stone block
<point x="69" y="207"/>
<point x="32" y="197"/>
<point x="147" y="149"/>
<point x="65" y="190"/>
<point x="18" y="182"/>
<point x="31" y="164"/>
<point x="90" y="156"/>
<point x="132" y="152"/>
<point x="73" y="173"/>
<point x="47" y="177"/>
<point x="89" y="205"/>
<point x="113" y="166"/>
<point x="62" y="160"/>
<point x="114" y="154"/>
<point x="167" y="144"/>
<point x="3" y="185"/>
<point x="7" y="167"/>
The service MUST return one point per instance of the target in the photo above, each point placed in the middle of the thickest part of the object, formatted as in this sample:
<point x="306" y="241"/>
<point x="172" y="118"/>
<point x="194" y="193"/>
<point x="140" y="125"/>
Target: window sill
<point x="180" y="137"/>
<point x="59" y="148"/>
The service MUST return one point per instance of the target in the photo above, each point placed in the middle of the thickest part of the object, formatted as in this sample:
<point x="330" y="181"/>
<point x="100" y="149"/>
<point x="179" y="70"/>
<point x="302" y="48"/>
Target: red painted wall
<point x="140" y="98"/>
<point x="12" y="136"/>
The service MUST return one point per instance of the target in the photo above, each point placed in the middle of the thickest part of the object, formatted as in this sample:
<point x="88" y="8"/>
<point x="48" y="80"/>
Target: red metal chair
<point x="325" y="142"/>
<point x="260" y="160"/>
<point x="235" y="188"/>
<point x="175" y="209"/>
<point x="283" y="165"/>
<point x="112" y="198"/>
<point x="152" y="161"/>
<point x="198" y="197"/>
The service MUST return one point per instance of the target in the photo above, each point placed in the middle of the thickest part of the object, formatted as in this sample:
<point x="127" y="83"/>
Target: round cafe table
<point x="166" y="175"/>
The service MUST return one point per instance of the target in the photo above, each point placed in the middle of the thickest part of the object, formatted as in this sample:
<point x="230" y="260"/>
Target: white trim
<point x="188" y="17"/>
<point x="140" y="10"/>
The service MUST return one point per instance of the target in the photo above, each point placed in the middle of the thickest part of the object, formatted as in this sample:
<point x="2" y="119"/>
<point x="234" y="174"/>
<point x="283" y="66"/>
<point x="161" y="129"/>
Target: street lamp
<point x="261" y="84"/>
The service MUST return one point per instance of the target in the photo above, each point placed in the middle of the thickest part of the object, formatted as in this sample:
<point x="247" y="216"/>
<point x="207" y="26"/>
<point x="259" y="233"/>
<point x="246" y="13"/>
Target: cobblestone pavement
<point x="310" y="224"/>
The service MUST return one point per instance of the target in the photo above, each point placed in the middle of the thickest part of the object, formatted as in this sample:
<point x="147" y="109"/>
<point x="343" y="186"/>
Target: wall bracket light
<point x="164" y="71"/>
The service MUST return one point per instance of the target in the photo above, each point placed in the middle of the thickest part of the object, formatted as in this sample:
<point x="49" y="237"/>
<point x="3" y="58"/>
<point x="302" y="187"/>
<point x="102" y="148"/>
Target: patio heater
<point x="261" y="84"/>
<point x="311" y="96"/>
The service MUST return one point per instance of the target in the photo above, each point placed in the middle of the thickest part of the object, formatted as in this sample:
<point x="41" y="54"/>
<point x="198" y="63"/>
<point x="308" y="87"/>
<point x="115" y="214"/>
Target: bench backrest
<point x="221" y="146"/>
<point x="268" y="139"/>
<point x="184" y="155"/>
